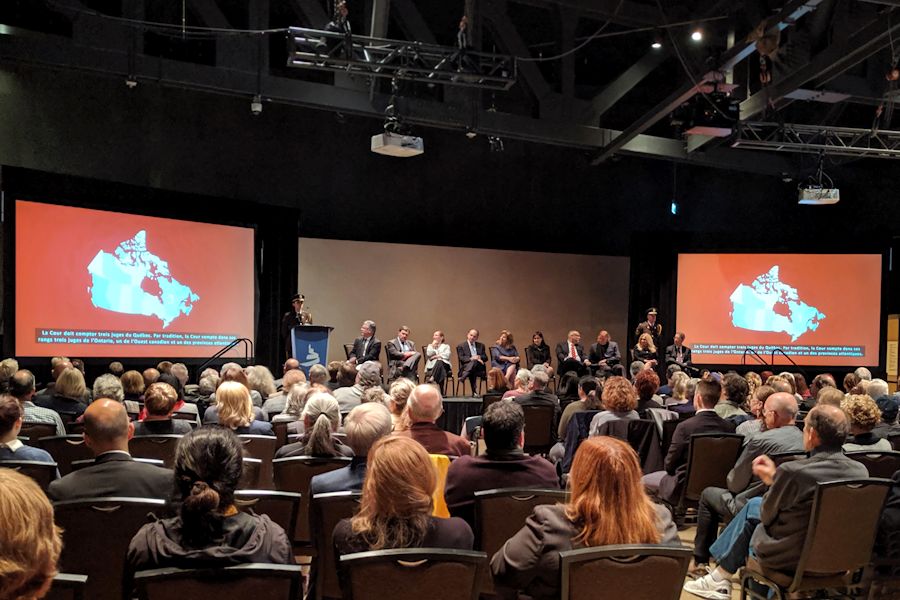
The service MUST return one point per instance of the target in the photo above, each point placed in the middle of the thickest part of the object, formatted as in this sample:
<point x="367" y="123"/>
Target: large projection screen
<point x="93" y="283"/>
<point x="820" y="309"/>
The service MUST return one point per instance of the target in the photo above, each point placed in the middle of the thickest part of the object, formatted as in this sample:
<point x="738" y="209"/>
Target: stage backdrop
<point x="454" y="289"/>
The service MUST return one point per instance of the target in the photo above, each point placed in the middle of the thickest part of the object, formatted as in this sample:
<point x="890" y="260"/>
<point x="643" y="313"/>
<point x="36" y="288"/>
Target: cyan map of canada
<point x="136" y="282"/>
<point x="770" y="305"/>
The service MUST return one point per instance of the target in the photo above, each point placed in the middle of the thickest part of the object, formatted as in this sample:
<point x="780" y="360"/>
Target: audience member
<point x="567" y="389"/>
<point x="756" y="423"/>
<point x="211" y="416"/>
<point x="645" y="351"/>
<point x="367" y="376"/>
<point x="30" y="542"/>
<point x="276" y="403"/>
<point x="646" y="383"/>
<point x="159" y="402"/>
<point x="346" y="375"/>
<point x="11" y="447"/>
<point x="21" y="385"/>
<point x="538" y="353"/>
<point x="619" y="403"/>
<point x="864" y="415"/>
<point x="666" y="390"/>
<point x="403" y="358"/>
<point x="863" y="373"/>
<point x="366" y="348"/>
<point x="293" y="408"/>
<point x="888" y="405"/>
<point x="114" y="473"/>
<point x="503" y="464"/>
<point x="802" y="388"/>
<point x="150" y="376"/>
<point x="365" y="425"/>
<point x="68" y="396"/>
<point x="375" y="394"/>
<point x="133" y="386"/>
<point x="110" y="386"/>
<point x="496" y="382"/>
<point x="291" y="364"/>
<point x="164" y="366"/>
<point x="588" y="399"/>
<point x="538" y="394"/>
<point x="236" y="410"/>
<point x="437" y="360"/>
<point x="636" y="367"/>
<point x="819" y="382"/>
<point x="261" y="380"/>
<point x="321" y="419"/>
<point x="424" y="407"/>
<point x="58" y="364"/>
<point x="570" y="355"/>
<point x="522" y="384"/>
<point x="607" y="505"/>
<point x="734" y="396"/>
<point x="472" y="357"/>
<point x="851" y="380"/>
<point x="505" y="357"/>
<point x="753" y="383"/>
<point x="318" y="374"/>
<point x="399" y="394"/>
<point x="182" y="407"/>
<point x="180" y="371"/>
<point x="8" y="368"/>
<point x="334" y="367"/>
<point x="830" y="396"/>
<point x="683" y="391"/>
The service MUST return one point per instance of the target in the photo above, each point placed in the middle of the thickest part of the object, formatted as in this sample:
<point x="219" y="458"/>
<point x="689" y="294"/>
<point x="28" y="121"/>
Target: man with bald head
<point x="570" y="355"/>
<point x="59" y="364"/>
<point x="425" y="406"/>
<point x="717" y="504"/>
<point x="775" y="525"/>
<point x="604" y="356"/>
<point x="114" y="473"/>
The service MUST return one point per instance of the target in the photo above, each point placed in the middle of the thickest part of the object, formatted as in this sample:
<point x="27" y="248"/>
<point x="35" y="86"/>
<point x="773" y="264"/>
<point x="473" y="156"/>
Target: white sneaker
<point x="707" y="587"/>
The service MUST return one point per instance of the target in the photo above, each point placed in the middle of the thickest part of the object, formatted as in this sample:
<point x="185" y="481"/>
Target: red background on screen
<point x="845" y="287"/>
<point x="55" y="244"/>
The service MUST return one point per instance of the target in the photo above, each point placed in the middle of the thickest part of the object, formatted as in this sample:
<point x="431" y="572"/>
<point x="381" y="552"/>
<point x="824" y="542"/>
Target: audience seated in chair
<point x="522" y="384"/>
<point x="30" y="541"/>
<point x="399" y="395"/>
<point x="888" y="405"/>
<point x="58" y="364"/>
<point x="775" y="526"/>
<point x="619" y="403"/>
<point x="21" y="385"/>
<point x="864" y="416"/>
<point x="367" y="376"/>
<point x="275" y="404"/>
<point x="756" y="423"/>
<point x="236" y="410"/>
<point x="496" y="382"/>
<point x="209" y="530"/>
<point x="646" y="383"/>
<point x="292" y="414"/>
<point x="608" y="505"/>
<point x="182" y="407"/>
<point x="69" y="395"/>
<point x="366" y="348"/>
<point x="365" y="425"/>
<point x="12" y="448"/>
<point x="159" y="401"/>
<point x="114" y="473"/>
<point x="321" y="420"/>
<point x="425" y="405"/>
<point x="589" y="390"/>
<point x="503" y="464"/>
<point x="735" y="390"/>
<point x="538" y="395"/>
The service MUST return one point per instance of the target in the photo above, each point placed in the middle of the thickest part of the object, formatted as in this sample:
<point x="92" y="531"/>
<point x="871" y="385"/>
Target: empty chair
<point x="836" y="547"/>
<point x="35" y="431"/>
<point x="262" y="447"/>
<point x="96" y="534"/>
<point x="41" y="472"/>
<point x="879" y="464"/>
<point x="636" y="572"/>
<point x="326" y="510"/>
<point x="281" y="507"/>
<point x="293" y="474"/>
<point x="710" y="457"/>
<point x="65" y="449"/>
<point x="489" y="399"/>
<point x="67" y="586"/>
<point x="251" y="580"/>
<point x="160" y="447"/>
<point x="540" y="429"/>
<point x="251" y="474"/>
<point x="413" y="574"/>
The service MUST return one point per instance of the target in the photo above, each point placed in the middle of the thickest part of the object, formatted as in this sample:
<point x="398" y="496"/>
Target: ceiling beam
<point x="379" y="17"/>
<point x="412" y="23"/>
<point x="512" y="43"/>
<point x="788" y="15"/>
<point x="632" y="14"/>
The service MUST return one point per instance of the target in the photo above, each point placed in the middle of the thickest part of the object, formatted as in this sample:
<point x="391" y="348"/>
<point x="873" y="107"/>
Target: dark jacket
<point x="537" y="355"/>
<point x="61" y="404"/>
<point x="464" y="357"/>
<point x="672" y="355"/>
<point x="298" y="448"/>
<point x="539" y="398"/>
<point x="676" y="458"/>
<point x="610" y="353"/>
<point x="114" y="474"/>
<point x="449" y="533"/>
<point x="345" y="479"/>
<point x="436" y="440"/>
<point x="363" y="353"/>
<point x="562" y="352"/>
<point x="162" y="427"/>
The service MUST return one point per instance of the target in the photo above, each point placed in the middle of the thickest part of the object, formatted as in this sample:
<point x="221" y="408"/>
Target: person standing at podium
<point x="294" y="317"/>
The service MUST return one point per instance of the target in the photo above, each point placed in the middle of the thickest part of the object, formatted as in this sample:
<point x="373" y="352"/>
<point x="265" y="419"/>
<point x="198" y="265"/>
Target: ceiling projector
<point x="817" y="195"/>
<point x="401" y="146"/>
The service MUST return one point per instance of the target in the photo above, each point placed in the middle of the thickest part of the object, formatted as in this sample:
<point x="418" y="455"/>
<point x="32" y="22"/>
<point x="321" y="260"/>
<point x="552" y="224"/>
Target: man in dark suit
<point x="679" y="354"/>
<point x="651" y="326"/>
<point x="604" y="356"/>
<point x="114" y="473"/>
<point x="472" y="358"/>
<point x="570" y="355"/>
<point x="668" y="483"/>
<point x="403" y="359"/>
<point x="366" y="347"/>
<point x="775" y="525"/>
<point x="537" y="394"/>
<point x="425" y="406"/>
<point x="294" y="317"/>
<point x="503" y="465"/>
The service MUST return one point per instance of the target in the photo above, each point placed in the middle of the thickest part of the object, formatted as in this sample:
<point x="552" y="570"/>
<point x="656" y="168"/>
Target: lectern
<point x="309" y="345"/>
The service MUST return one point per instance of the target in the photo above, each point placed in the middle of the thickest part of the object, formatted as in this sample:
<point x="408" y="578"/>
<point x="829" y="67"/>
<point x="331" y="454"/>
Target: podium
<point x="309" y="345"/>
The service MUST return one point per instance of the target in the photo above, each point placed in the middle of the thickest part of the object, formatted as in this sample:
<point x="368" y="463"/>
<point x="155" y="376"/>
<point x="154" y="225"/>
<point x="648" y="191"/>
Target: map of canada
<point x="135" y="281"/>
<point x="768" y="304"/>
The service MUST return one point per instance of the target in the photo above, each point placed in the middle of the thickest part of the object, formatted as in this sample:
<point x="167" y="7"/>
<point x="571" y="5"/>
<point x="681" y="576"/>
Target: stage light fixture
<point x="657" y="42"/>
<point x="697" y="35"/>
<point x="256" y="105"/>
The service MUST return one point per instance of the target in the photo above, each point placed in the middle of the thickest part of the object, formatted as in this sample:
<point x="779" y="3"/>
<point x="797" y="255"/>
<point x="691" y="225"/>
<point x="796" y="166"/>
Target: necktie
<point x="472" y="349"/>
<point x="572" y="351"/>
<point x="678" y="357"/>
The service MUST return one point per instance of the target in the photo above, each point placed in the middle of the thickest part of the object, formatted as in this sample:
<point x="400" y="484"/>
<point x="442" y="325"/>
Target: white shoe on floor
<point x="707" y="587"/>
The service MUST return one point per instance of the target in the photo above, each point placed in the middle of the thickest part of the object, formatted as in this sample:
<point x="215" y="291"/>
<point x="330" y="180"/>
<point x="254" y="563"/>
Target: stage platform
<point x="456" y="410"/>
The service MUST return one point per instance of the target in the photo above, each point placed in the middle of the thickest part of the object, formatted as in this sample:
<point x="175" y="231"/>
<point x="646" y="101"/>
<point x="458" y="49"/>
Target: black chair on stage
<point x="65" y="449"/>
<point x="879" y="464"/>
<point x="326" y="510"/>
<point x="348" y="348"/>
<point x="251" y="580"/>
<point x="42" y="472"/>
<point x="636" y="572"/>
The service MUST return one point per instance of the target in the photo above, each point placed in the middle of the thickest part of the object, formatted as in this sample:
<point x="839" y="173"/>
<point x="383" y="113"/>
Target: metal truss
<point x="836" y="141"/>
<point x="410" y="61"/>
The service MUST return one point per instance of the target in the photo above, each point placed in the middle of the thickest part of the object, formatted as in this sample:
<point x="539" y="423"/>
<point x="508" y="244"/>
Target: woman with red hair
<point x="607" y="505"/>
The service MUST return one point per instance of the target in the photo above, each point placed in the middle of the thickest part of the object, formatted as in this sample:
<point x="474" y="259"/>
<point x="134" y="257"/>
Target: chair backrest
<point x="710" y="457"/>
<point x="326" y="510"/>
<point x="540" y="433"/>
<point x="252" y="580"/>
<point x="837" y="544"/>
<point x="879" y="464"/>
<point x="80" y="464"/>
<point x="35" y="431"/>
<point x="186" y="416"/>
<point x="281" y="507"/>
<point x="640" y="434"/>
<point x="414" y="573"/>
<point x="500" y="513"/>
<point x="783" y="457"/>
<point x="280" y="428"/>
<point x="251" y="474"/>
<point x="65" y="449"/>
<point x="668" y="432"/>
<point x="489" y="399"/>
<point x="894" y="439"/>
<point x="262" y="447"/>
<point x="67" y="586"/>
<point x="348" y="348"/>
<point x="636" y="572"/>
<point x="73" y="428"/>
<point x="577" y="432"/>
<point x="293" y="474"/>
<point x="160" y="447"/>
<point x="96" y="534"/>
<point x="42" y="472"/>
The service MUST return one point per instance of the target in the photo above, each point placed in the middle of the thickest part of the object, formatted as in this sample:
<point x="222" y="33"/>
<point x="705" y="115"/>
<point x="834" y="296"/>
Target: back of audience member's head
<point x="108" y="386"/>
<point x="317" y="374"/>
<point x="830" y="424"/>
<point x="779" y="384"/>
<point x="523" y="379"/>
<point x="116" y="368"/>
<point x="174" y="382"/>
<point x="735" y="388"/>
<point x="132" y="383"/>
<point x="763" y="392"/>
<point x="862" y="412"/>
<point x="59" y="367"/>
<point x="753" y="382"/>
<point x="425" y="404"/>
<point x="8" y="368"/>
<point x="851" y="380"/>
<point x="800" y="382"/>
<point x="619" y="395"/>
<point x="878" y="388"/>
<point x="396" y="503"/>
<point x="636" y="367"/>
<point x="502" y="425"/>
<point x="180" y="371"/>
<point x="591" y="388"/>
<point x="164" y="366"/>
<point x="70" y="384"/>
<point x="233" y="374"/>
<point x="645" y="384"/>
<point x="259" y="378"/>
<point x="208" y="467"/>
<point x="679" y="385"/>
<point x="399" y="394"/>
<point x="863" y="373"/>
<point x="347" y="374"/>
<point x="208" y="384"/>
<point x="496" y="381"/>
<point x="150" y="376"/>
<point x="830" y="396"/>
<point x="784" y="405"/>
<point x="568" y="385"/>
<point x="607" y="502"/>
<point x="234" y="405"/>
<point x="375" y="394"/>
<point x="789" y="377"/>
<point x="334" y="367"/>
<point x="56" y="360"/>
<point x="889" y="406"/>
<point x="292" y="378"/>
<point x="709" y="391"/>
<point x="10" y="413"/>
<point x="671" y="370"/>
<point x="539" y="380"/>
<point x="106" y="425"/>
<point x="77" y="363"/>
<point x="160" y="399"/>
<point x="823" y="380"/>
<point x="30" y="541"/>
<point x="369" y="375"/>
<point x="322" y="417"/>
<point x="21" y="383"/>
<point x="296" y="399"/>
<point x="365" y="425"/>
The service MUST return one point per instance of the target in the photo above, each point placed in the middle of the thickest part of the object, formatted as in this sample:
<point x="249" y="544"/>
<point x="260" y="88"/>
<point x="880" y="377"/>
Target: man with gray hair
<point x="365" y="425"/>
<point x="366" y="347"/>
<point x="368" y="375"/>
<point x="877" y="388"/>
<point x="116" y="368"/>
<point x="539" y="396"/>
<point x="110" y="386"/>
<point x="318" y="374"/>
<point x="864" y="374"/>
<point x="425" y="405"/>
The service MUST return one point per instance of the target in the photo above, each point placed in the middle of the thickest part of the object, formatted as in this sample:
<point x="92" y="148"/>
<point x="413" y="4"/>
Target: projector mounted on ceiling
<point x="400" y="146"/>
<point x="817" y="195"/>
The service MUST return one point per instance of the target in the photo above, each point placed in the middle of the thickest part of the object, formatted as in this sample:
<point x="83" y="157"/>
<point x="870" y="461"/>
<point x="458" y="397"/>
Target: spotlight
<point x="697" y="35"/>
<point x="131" y="82"/>
<point x="657" y="42"/>
<point x="495" y="143"/>
<point x="674" y="208"/>
<point x="470" y="133"/>
<point x="256" y="105"/>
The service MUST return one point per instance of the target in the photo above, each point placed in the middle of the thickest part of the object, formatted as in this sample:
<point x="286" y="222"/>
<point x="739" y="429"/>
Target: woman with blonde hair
<point x="396" y="504"/>
<point x="645" y="350"/>
<point x="753" y="382"/>
<point x="30" y="542"/>
<point x="69" y="395"/>
<point x="321" y="420"/>
<point x="260" y="378"/>
<point x="236" y="410"/>
<point x="679" y="387"/>
<point x="607" y="505"/>
<point x="505" y="357"/>
<point x="864" y="415"/>
<point x="399" y="394"/>
<point x="293" y="407"/>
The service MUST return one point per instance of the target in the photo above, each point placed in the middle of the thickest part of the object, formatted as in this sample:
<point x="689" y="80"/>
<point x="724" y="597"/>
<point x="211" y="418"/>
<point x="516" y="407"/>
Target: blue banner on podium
<point x="309" y="345"/>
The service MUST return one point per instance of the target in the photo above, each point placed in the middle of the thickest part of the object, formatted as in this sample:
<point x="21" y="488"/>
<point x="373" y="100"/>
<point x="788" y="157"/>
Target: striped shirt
<point x="39" y="414"/>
